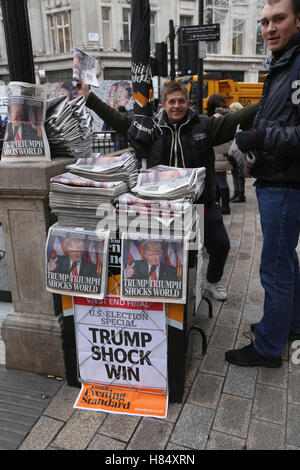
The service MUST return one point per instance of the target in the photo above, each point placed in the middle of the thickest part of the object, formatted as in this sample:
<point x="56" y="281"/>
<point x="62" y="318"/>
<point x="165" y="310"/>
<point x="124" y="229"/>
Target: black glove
<point x="251" y="140"/>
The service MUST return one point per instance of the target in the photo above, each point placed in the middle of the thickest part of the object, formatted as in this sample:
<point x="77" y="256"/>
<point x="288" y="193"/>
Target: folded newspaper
<point x="170" y="182"/>
<point x="243" y="162"/>
<point x="25" y="138"/>
<point x="108" y="168"/>
<point x="68" y="127"/>
<point x="85" y="67"/>
<point x="77" y="262"/>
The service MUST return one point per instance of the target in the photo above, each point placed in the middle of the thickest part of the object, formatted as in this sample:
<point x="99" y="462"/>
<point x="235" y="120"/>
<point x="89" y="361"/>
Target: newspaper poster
<point x="121" y="344"/>
<point x="85" y="67"/>
<point x="153" y="268"/>
<point x="25" y="138"/>
<point x="76" y="262"/>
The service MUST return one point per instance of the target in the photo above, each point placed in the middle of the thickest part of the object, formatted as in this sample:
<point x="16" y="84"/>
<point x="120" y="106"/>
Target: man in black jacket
<point x="275" y="141"/>
<point x="183" y="138"/>
<point x="151" y="267"/>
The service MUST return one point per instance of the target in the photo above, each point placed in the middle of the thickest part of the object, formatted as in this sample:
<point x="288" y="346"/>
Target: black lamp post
<point x="18" y="40"/>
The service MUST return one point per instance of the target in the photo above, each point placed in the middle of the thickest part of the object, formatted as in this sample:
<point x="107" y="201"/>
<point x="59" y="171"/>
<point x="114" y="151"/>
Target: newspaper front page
<point x="76" y="262"/>
<point x="154" y="268"/>
<point x="85" y="67"/>
<point x="25" y="138"/>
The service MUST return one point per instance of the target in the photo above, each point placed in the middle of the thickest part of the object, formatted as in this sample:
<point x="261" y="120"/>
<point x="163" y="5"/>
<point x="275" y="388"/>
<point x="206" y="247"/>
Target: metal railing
<point x="103" y="141"/>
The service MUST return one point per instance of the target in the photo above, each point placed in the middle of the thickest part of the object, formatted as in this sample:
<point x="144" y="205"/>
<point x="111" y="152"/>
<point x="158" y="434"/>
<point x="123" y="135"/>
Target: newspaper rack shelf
<point x="180" y="325"/>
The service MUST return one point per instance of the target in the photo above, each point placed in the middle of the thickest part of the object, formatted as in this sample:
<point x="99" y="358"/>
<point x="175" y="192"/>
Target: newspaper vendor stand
<point x="180" y="323"/>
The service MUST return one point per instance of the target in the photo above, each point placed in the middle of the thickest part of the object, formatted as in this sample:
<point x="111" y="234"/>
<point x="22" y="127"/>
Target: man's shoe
<point x="240" y="198"/>
<point x="225" y="210"/>
<point x="249" y="357"/>
<point x="217" y="290"/>
<point x="292" y="336"/>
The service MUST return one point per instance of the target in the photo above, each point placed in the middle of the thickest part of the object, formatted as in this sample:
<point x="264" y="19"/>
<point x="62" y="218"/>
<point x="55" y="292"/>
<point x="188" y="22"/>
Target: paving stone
<point x="223" y="337"/>
<point x="119" y="426"/>
<point x="214" y="362"/>
<point x="100" y="442"/>
<point x="79" y="430"/>
<point x="221" y="441"/>
<point x="61" y="406"/>
<point x="229" y="318"/>
<point x="193" y="427"/>
<point x="264" y="435"/>
<point x="42" y="434"/>
<point x="270" y="404"/>
<point x="151" y="434"/>
<point x="206" y="390"/>
<point x="233" y="415"/>
<point x="252" y="313"/>
<point x="294" y="389"/>
<point x="240" y="381"/>
<point x="293" y="426"/>
<point x="276" y="377"/>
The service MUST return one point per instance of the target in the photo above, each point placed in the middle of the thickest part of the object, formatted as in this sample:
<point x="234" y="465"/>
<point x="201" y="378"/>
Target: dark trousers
<point x="216" y="242"/>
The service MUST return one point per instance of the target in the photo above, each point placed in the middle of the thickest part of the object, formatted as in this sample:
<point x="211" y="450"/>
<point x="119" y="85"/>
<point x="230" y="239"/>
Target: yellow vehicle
<point x="243" y="92"/>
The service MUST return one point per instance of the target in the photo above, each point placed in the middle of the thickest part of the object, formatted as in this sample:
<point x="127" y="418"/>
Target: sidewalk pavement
<point x="225" y="407"/>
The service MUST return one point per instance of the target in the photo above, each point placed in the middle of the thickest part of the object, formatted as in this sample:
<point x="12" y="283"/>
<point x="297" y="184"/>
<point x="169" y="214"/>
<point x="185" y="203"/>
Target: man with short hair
<point x="151" y="267"/>
<point x="73" y="262"/>
<point x="182" y="137"/>
<point x="275" y="141"/>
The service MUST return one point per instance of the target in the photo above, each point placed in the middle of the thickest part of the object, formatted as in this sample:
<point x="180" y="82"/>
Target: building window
<point x="185" y="20"/>
<point x="106" y="27"/>
<point x="215" y="11"/>
<point x="237" y="36"/>
<point x="125" y="42"/>
<point x="60" y="32"/>
<point x="152" y="30"/>
<point x="261" y="47"/>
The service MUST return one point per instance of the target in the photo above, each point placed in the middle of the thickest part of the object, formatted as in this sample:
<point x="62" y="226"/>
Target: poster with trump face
<point x="76" y="262"/>
<point x="153" y="268"/>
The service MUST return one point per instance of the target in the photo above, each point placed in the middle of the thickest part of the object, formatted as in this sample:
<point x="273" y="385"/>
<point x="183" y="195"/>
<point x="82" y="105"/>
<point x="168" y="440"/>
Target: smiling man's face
<point x="176" y="106"/>
<point x="279" y="24"/>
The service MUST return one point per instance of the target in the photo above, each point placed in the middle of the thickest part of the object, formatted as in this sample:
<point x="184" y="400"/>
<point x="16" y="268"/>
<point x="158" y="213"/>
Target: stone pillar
<point x="32" y="332"/>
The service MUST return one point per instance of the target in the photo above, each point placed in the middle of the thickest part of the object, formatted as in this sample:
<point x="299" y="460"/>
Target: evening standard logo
<point x="296" y="354"/>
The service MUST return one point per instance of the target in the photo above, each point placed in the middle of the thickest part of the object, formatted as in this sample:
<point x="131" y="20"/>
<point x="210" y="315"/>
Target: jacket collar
<point x="283" y="56"/>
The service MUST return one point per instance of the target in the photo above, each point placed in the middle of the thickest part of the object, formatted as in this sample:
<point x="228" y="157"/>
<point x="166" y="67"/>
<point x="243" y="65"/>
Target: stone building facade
<point x="102" y="28"/>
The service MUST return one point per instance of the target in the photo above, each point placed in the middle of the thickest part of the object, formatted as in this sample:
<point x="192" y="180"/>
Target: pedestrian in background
<point x="237" y="179"/>
<point x="216" y="106"/>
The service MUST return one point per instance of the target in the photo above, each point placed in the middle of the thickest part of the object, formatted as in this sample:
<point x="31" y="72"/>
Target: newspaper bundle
<point x="82" y="202"/>
<point x="175" y="216"/>
<point x="153" y="268"/>
<point x="108" y="168"/>
<point x="68" y="126"/>
<point x="85" y="67"/>
<point x="76" y="262"/>
<point x="170" y="182"/>
<point x="25" y="139"/>
<point x="85" y="195"/>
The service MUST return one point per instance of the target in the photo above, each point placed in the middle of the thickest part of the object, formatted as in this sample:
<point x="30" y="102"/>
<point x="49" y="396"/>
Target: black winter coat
<point x="185" y="144"/>
<point x="279" y="162"/>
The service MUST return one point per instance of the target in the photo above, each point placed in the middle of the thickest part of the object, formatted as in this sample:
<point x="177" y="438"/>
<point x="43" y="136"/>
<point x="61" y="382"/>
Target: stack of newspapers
<point x="162" y="201"/>
<point x="108" y="168"/>
<point x="68" y="127"/>
<point x="165" y="182"/>
<point x="82" y="201"/>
